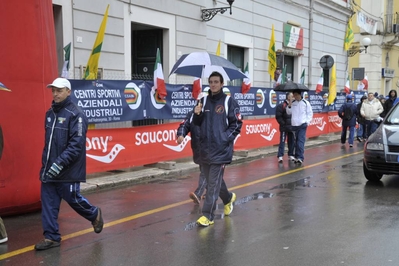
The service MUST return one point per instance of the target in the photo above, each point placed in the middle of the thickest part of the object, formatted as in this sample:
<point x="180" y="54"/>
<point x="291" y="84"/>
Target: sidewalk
<point x="105" y="180"/>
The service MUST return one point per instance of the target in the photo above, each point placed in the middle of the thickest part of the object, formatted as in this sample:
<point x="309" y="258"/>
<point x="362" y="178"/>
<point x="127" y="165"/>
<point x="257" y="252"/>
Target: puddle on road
<point x="304" y="182"/>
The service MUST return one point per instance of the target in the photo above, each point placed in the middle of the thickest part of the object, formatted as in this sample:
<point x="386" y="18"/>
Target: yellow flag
<point x="332" y="93"/>
<point x="349" y="36"/>
<point x="272" y="55"/>
<point x="92" y="64"/>
<point x="218" y="49"/>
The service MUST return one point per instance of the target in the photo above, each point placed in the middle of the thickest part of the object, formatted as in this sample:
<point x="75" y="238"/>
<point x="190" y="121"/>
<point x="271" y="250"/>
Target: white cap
<point x="60" y="83"/>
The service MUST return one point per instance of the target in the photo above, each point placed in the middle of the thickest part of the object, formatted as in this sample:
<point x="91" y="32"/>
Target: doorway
<point x="145" y="41"/>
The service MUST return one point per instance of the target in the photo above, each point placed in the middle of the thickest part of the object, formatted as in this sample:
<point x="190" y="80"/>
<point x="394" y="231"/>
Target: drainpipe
<point x="310" y="57"/>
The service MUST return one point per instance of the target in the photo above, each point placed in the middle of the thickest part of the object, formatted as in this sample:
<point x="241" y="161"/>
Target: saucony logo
<point x="108" y="158"/>
<point x="239" y="135"/>
<point x="338" y="124"/>
<point x="322" y="126"/>
<point x="270" y="136"/>
<point x="181" y="146"/>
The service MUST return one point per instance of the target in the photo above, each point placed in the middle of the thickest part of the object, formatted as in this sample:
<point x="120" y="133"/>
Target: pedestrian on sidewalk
<point x="347" y="112"/>
<point x="371" y="110"/>
<point x="64" y="164"/>
<point x="3" y="232"/>
<point x="389" y="103"/>
<point x="361" y="130"/>
<point x="301" y="115"/>
<point x="185" y="127"/>
<point x="284" y="120"/>
<point x="219" y="119"/>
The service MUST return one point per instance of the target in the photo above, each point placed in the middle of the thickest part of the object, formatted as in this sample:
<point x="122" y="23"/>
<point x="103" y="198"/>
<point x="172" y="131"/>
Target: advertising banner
<point x="105" y="101"/>
<point x="111" y="149"/>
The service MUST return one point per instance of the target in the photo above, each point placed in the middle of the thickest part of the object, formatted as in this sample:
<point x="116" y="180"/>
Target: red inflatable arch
<point x="28" y="62"/>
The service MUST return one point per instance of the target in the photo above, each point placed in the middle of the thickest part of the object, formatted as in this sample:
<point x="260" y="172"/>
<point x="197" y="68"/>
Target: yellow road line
<point x="146" y="213"/>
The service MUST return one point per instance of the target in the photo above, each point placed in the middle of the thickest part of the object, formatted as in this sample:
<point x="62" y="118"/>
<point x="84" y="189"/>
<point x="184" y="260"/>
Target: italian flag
<point x="302" y="79"/>
<point x="159" y="81"/>
<point x="347" y="88"/>
<point x="363" y="85"/>
<point x="293" y="37"/>
<point x="246" y="83"/>
<point x="319" y="86"/>
<point x="197" y="87"/>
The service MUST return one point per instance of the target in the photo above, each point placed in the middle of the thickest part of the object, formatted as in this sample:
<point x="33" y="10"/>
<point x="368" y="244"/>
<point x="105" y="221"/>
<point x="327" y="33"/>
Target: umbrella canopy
<point x="202" y="64"/>
<point x="290" y="86"/>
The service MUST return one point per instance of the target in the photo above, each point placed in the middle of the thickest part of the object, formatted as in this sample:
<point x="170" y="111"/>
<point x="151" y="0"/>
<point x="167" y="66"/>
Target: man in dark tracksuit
<point x="346" y="122"/>
<point x="219" y="118"/>
<point x="186" y="127"/>
<point x="64" y="164"/>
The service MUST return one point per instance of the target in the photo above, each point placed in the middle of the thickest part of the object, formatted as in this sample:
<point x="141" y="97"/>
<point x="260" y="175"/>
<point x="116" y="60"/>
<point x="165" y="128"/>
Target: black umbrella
<point x="290" y="86"/>
<point x="202" y="64"/>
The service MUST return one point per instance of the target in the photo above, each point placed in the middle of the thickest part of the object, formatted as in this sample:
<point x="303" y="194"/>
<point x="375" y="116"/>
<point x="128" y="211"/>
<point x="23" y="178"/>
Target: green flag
<point x="302" y="80"/>
<point x="65" y="68"/>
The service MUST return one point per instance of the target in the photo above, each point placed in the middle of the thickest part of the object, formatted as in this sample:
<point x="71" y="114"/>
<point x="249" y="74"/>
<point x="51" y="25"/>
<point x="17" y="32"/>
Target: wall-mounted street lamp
<point x="208" y="14"/>
<point x="356" y="49"/>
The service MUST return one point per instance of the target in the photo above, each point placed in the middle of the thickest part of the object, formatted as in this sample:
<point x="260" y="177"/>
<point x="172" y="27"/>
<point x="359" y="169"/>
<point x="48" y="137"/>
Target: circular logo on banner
<point x="272" y="98"/>
<point x="132" y="95"/>
<point x="260" y="98"/>
<point x="157" y="101"/>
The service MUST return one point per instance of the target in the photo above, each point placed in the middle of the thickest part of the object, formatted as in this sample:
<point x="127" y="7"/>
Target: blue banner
<point x="106" y="101"/>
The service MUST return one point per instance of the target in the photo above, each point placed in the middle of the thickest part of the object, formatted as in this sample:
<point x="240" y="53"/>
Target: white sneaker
<point x="280" y="159"/>
<point x="299" y="161"/>
<point x="292" y="158"/>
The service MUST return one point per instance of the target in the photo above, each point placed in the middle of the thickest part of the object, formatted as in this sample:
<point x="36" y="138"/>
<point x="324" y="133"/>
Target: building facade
<point x="305" y="30"/>
<point x="381" y="62"/>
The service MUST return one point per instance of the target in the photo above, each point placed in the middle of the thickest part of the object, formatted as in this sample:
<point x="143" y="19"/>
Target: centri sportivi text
<point x="110" y="102"/>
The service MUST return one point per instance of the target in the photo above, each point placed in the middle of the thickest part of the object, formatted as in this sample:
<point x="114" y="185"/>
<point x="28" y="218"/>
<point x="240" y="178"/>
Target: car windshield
<point x="393" y="117"/>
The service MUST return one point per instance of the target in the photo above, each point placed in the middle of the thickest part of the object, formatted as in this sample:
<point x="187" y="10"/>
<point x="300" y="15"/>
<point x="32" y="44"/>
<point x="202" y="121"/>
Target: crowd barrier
<point x="110" y="149"/>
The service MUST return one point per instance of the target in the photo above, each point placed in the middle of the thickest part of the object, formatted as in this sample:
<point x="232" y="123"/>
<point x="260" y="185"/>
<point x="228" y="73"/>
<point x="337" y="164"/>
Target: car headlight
<point x="375" y="146"/>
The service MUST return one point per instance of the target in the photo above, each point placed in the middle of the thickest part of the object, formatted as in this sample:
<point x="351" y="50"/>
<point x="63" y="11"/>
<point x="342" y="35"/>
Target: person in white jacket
<point x="301" y="114"/>
<point x="371" y="110"/>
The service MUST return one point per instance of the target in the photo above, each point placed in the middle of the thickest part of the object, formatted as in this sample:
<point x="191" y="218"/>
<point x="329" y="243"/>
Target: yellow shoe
<point x="203" y="221"/>
<point x="228" y="208"/>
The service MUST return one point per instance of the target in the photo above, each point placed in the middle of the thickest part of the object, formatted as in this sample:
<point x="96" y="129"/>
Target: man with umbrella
<point x="301" y="114"/>
<point x="284" y="121"/>
<point x="219" y="119"/>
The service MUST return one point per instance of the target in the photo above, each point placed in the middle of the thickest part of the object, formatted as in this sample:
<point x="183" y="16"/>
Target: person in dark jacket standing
<point x="286" y="134"/>
<point x="219" y="119"/>
<point x="389" y="103"/>
<point x="184" y="128"/>
<point x="347" y="113"/>
<point x="361" y="130"/>
<point x="64" y="165"/>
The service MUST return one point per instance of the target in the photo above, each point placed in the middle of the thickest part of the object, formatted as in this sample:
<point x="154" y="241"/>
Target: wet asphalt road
<point x="322" y="213"/>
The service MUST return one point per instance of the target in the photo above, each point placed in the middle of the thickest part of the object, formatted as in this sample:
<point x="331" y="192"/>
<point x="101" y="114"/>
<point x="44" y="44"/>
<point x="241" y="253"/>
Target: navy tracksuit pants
<point x="201" y="183"/>
<point x="216" y="188"/>
<point x="51" y="195"/>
